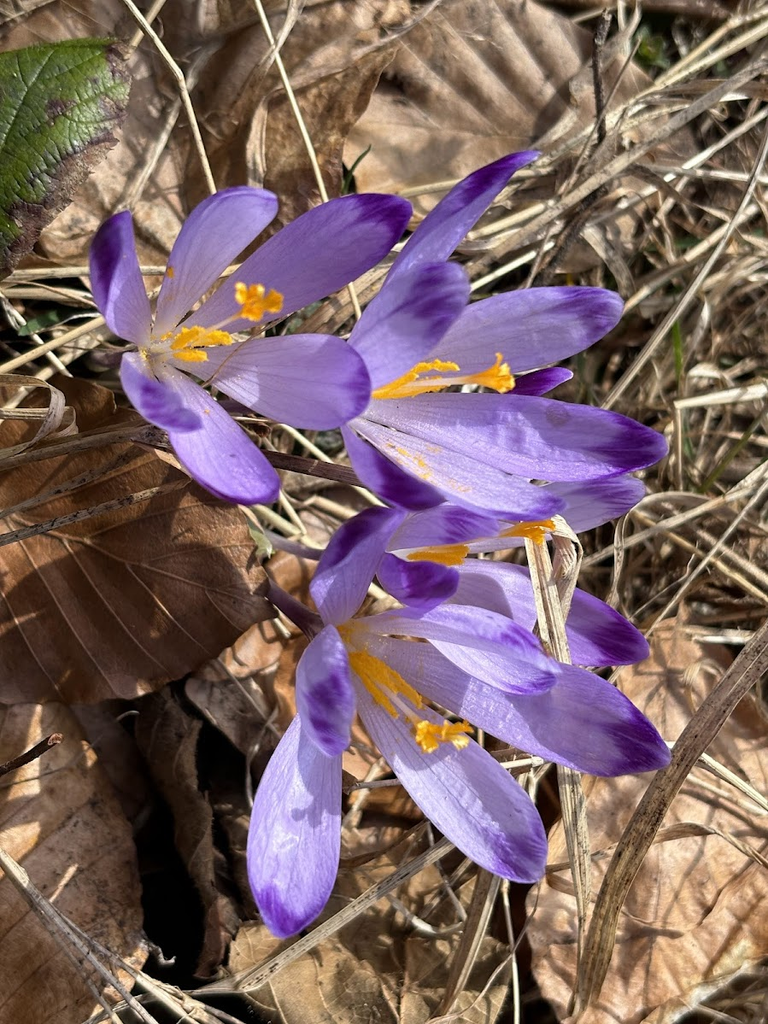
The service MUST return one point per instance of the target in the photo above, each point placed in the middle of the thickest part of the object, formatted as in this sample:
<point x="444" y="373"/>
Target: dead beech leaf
<point x="697" y="912"/>
<point x="60" y="819"/>
<point x="118" y="604"/>
<point x="474" y="80"/>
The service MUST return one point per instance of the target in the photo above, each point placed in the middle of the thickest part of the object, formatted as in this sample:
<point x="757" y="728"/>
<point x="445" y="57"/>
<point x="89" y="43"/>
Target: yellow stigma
<point x="255" y="300"/>
<point x="535" y="531"/>
<point x="415" y="382"/>
<point x="189" y="343"/>
<point x="429" y="735"/>
<point x="445" y="554"/>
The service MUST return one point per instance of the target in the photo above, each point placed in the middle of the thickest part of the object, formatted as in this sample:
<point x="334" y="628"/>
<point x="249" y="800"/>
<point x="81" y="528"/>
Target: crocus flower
<point x="477" y="663"/>
<point x="416" y="444"/>
<point x="310" y="381"/>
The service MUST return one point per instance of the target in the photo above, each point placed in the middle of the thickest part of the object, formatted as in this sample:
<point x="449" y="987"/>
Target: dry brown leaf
<point x="696" y="913"/>
<point x="60" y="819"/>
<point x="168" y="736"/>
<point x="121" y="603"/>
<point x="473" y="81"/>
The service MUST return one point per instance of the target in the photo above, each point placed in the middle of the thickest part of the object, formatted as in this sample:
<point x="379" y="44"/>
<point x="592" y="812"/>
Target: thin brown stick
<point x="32" y="754"/>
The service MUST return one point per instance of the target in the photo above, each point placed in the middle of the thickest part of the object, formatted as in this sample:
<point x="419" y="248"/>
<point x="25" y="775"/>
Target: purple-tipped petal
<point x="582" y="721"/>
<point x="349" y="563"/>
<point x="311" y="381"/>
<point x="294" y="838"/>
<point x="467" y="795"/>
<point x="531" y="328"/>
<point x="489" y="645"/>
<point x="116" y="281"/>
<point x="157" y="401"/>
<point x="220" y="455"/>
<point x="407" y="319"/>
<point x="535" y="438"/>
<point x="324" y="695"/>
<point x="217" y="231"/>
<point x="315" y="255"/>
<point x="447" y="459"/>
<point x="445" y="226"/>
<point x="383" y="477"/>
<point x="539" y="382"/>
<point x="419" y="584"/>
<point x="597" y="634"/>
<point x="444" y="524"/>
<point x="599" y="502"/>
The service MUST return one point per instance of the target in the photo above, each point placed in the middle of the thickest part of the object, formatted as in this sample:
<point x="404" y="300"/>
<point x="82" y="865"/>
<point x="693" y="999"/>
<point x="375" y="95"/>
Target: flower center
<point x="427" y="377"/>
<point x="445" y="554"/>
<point x="188" y="344"/>
<point x="391" y="692"/>
<point x="536" y="531"/>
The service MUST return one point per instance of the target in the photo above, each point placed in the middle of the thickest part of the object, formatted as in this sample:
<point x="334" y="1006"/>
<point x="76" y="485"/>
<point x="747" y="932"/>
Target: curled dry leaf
<point x="120" y="603"/>
<point x="61" y="821"/>
<point x="696" y="913"/>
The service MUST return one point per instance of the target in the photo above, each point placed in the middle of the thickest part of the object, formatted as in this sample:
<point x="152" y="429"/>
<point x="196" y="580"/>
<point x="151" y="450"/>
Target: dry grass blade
<point x="483" y="900"/>
<point x="746" y="670"/>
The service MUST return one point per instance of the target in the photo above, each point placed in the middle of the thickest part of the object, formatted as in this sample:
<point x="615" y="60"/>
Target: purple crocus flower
<point x="308" y="380"/>
<point x="416" y="445"/>
<point x="477" y="663"/>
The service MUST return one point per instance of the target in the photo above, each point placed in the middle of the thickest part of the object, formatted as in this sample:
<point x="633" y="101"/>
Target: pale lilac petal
<point x="446" y="459"/>
<point x="294" y="838"/>
<point x="383" y="477"/>
<point x="419" y="584"/>
<point x="157" y="401"/>
<point x="315" y="255"/>
<point x="445" y="226"/>
<point x="539" y="382"/>
<point x="599" y="502"/>
<point x="443" y="524"/>
<point x="480" y="641"/>
<point x="531" y="328"/>
<point x="325" y="698"/>
<point x="467" y="795"/>
<point x="582" y="721"/>
<point x="311" y="381"/>
<point x="212" y="236"/>
<point x="536" y="438"/>
<point x="116" y="281"/>
<point x="349" y="563"/>
<point x="220" y="455"/>
<point x="407" y="319"/>
<point x="597" y="634"/>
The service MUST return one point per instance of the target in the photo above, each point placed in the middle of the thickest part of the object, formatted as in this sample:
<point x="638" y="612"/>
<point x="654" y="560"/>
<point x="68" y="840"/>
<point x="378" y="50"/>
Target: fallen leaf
<point x="697" y="912"/>
<point x="61" y="821"/>
<point x="121" y="603"/>
<point x="59" y="104"/>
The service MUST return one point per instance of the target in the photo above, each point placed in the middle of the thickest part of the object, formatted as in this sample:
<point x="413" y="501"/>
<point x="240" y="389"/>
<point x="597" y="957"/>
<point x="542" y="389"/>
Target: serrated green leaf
<point x="59" y="103"/>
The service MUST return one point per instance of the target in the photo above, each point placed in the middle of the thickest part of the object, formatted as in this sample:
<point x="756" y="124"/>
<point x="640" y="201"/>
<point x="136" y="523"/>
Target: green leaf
<point x="59" y="103"/>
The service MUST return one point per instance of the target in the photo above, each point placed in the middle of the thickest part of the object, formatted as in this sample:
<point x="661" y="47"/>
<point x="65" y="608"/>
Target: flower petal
<point x="489" y="645"/>
<point x="446" y="460"/>
<point x="419" y="584"/>
<point x="597" y="634"/>
<point x="315" y="255"/>
<point x="535" y="438"/>
<point x="212" y="236"/>
<point x="116" y="281"/>
<point x="467" y="795"/>
<point x="600" y="502"/>
<point x="220" y="455"/>
<point x="407" y="319"/>
<point x="582" y="721"/>
<point x="349" y="563"/>
<point x="294" y="838"/>
<point x="312" y="381"/>
<point x="539" y="382"/>
<point x="444" y="524"/>
<point x="445" y="226"/>
<point x="325" y="698"/>
<point x="383" y="477"/>
<point x="157" y="401"/>
<point x="531" y="328"/>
